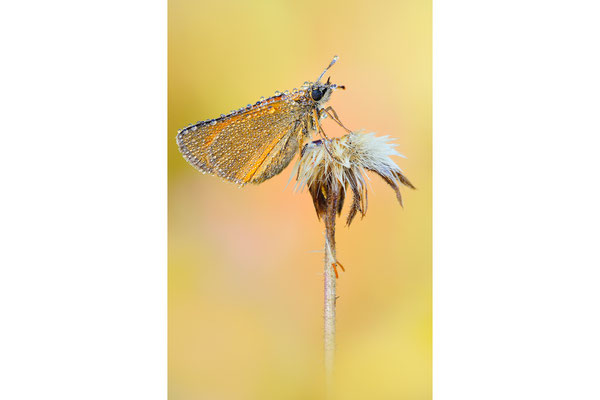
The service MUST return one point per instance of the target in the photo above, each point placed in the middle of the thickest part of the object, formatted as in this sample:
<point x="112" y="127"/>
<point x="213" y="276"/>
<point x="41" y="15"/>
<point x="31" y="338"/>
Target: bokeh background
<point x="245" y="265"/>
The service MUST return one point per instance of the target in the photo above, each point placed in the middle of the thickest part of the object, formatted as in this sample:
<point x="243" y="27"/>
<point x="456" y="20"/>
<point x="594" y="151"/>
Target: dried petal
<point x="353" y="154"/>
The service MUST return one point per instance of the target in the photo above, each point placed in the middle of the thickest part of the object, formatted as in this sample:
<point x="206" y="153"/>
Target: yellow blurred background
<point x="245" y="265"/>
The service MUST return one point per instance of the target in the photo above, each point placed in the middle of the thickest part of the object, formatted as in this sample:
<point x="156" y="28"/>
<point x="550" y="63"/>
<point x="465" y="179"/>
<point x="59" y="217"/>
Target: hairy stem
<point x="329" y="303"/>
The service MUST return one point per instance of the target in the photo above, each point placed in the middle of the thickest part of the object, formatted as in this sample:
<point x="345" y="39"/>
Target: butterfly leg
<point x="334" y="117"/>
<point x="316" y="117"/>
<point x="314" y="121"/>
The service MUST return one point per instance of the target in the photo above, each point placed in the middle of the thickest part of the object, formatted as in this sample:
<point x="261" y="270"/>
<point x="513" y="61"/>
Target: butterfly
<point x="257" y="142"/>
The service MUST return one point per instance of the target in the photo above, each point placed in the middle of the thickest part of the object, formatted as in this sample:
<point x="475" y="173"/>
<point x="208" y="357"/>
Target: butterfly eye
<point x="317" y="94"/>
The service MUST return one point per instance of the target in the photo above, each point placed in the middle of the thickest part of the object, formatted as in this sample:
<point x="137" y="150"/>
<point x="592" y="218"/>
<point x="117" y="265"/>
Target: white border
<point x="83" y="203"/>
<point x="516" y="135"/>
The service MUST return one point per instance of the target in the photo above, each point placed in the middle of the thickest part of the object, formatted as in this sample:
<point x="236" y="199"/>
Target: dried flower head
<point x="329" y="172"/>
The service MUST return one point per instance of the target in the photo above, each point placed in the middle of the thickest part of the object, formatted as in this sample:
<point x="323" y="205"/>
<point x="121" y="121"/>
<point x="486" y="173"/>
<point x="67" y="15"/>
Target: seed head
<point x="340" y="167"/>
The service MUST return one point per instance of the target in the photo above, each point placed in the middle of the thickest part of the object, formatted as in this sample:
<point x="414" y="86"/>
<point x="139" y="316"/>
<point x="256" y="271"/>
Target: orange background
<point x="245" y="265"/>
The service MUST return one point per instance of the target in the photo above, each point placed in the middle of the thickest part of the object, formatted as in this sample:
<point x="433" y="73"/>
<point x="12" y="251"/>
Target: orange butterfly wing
<point x="248" y="145"/>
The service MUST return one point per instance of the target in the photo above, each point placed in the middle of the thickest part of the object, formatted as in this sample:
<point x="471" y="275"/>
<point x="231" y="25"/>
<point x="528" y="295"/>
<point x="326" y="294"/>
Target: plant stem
<point x="329" y="274"/>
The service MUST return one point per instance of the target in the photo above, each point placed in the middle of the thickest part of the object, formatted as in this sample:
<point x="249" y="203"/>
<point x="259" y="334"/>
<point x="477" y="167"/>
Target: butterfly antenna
<point x="335" y="58"/>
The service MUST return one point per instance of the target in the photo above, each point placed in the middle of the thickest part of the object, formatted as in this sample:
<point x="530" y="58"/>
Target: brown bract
<point x="332" y="176"/>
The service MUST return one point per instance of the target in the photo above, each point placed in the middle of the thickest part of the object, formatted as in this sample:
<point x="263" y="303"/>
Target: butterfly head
<point x="320" y="92"/>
